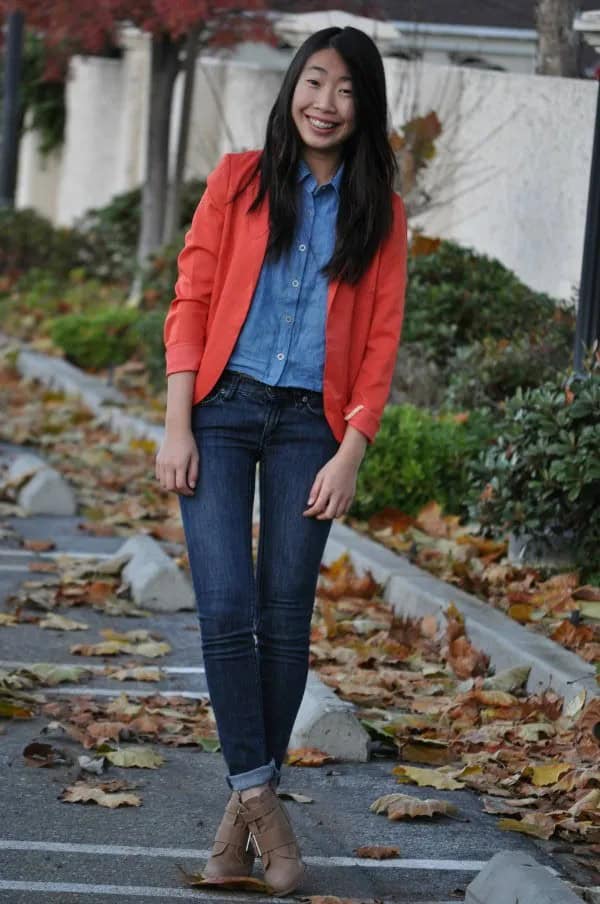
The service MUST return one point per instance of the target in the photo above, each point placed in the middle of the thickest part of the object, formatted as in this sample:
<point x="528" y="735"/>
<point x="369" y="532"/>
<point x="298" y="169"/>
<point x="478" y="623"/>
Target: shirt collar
<point x="304" y="171"/>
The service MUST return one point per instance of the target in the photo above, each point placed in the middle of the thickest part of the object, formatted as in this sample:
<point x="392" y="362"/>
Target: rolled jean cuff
<point x="260" y="776"/>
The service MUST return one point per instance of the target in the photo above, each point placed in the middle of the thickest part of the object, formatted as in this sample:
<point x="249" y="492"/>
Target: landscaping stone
<point x="156" y="581"/>
<point x="513" y="877"/>
<point x="328" y="723"/>
<point x="45" y="492"/>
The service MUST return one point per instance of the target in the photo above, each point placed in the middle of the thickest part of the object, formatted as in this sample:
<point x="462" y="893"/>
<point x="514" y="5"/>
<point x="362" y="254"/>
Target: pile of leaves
<point x="113" y="478"/>
<point x="424" y="691"/>
<point x="561" y="606"/>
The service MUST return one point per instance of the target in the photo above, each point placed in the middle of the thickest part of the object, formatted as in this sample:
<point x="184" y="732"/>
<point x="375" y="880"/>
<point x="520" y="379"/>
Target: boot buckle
<point x="252" y="836"/>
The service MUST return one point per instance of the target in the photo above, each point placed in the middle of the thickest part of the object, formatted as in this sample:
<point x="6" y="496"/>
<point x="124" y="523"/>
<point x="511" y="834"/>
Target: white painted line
<point x="132" y="891"/>
<point x="110" y="692"/>
<point x="123" y="850"/>
<point x="169" y="669"/>
<point x="50" y="554"/>
<point x="142" y="891"/>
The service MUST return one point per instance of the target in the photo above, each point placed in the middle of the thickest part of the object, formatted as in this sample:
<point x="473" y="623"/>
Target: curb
<point x="323" y="720"/>
<point x="513" y="877"/>
<point x="414" y="592"/>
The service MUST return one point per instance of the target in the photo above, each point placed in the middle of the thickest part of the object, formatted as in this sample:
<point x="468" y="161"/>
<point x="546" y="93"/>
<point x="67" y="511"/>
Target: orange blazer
<point x="218" y="270"/>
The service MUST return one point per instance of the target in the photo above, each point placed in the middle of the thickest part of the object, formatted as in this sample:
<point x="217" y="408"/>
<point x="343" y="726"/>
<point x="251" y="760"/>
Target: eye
<point x="312" y="81"/>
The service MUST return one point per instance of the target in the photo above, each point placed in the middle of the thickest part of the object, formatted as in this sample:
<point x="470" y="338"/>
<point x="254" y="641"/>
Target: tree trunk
<point x="174" y="193"/>
<point x="558" y="45"/>
<point x="164" y="68"/>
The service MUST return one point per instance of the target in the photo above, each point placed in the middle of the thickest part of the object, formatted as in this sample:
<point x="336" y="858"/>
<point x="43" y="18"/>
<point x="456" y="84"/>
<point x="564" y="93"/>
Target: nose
<point x="326" y="99"/>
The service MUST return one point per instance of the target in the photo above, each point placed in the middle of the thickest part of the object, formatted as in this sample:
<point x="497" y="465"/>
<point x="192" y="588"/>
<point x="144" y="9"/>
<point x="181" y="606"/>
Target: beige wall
<point x="510" y="177"/>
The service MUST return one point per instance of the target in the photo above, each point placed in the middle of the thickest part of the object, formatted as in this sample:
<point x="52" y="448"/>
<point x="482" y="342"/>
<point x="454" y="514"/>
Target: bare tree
<point x="558" y="44"/>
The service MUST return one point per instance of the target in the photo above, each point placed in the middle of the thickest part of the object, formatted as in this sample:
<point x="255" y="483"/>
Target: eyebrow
<point x="342" y="78"/>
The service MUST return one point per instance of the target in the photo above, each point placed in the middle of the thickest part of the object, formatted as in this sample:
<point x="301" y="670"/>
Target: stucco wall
<point x="510" y="177"/>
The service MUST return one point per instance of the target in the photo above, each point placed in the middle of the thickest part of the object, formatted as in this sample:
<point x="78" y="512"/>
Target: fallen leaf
<point x="432" y="778"/>
<point x="377" y="851"/>
<point x="81" y="793"/>
<point x="403" y="806"/>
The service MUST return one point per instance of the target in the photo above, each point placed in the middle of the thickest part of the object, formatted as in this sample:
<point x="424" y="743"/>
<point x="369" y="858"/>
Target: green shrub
<point x="541" y="478"/>
<point x="149" y="335"/>
<point x="112" y="231"/>
<point x="456" y="297"/>
<point x="28" y="240"/>
<point x="419" y="457"/>
<point x="491" y="370"/>
<point x="97" y="339"/>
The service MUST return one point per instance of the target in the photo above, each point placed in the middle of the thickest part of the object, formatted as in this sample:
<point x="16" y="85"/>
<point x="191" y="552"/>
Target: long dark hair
<point x="365" y="209"/>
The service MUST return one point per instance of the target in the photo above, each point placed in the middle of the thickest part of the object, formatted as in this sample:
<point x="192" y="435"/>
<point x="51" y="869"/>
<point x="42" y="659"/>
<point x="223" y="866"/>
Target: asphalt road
<point x="59" y="853"/>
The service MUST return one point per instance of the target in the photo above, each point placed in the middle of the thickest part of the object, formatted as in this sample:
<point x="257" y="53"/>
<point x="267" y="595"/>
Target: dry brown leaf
<point x="403" y="806"/>
<point x="377" y="851"/>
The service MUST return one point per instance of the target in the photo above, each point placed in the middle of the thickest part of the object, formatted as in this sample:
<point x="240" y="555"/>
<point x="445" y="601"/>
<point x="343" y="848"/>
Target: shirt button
<point x="280" y="356"/>
<point x="295" y="283"/>
<point x="288" y="318"/>
<point x="301" y="247"/>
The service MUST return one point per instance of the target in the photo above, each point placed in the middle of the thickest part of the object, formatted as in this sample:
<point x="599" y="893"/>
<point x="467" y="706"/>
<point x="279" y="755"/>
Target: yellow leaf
<point x="540" y="825"/>
<point x="546" y="774"/>
<point x="142" y="757"/>
<point x="432" y="778"/>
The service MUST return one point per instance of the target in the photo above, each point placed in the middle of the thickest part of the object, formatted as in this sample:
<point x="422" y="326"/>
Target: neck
<point x="323" y="165"/>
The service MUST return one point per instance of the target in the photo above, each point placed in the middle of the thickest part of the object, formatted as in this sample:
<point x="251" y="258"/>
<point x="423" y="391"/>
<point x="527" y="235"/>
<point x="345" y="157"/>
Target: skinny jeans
<point x="255" y="621"/>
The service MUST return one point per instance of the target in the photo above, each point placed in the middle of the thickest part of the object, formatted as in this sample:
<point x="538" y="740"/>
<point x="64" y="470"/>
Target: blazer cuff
<point x="364" y="420"/>
<point x="182" y="356"/>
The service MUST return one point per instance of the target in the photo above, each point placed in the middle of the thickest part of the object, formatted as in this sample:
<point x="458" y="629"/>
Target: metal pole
<point x="10" y="118"/>
<point x="588" y="310"/>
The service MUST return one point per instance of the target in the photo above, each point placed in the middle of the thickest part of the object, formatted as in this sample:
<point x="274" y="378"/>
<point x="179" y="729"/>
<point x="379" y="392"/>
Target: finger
<point x="168" y="478"/>
<point x="320" y="502"/>
<point x="181" y="481"/>
<point x="314" y="490"/>
<point x="192" y="477"/>
<point x="329" y="510"/>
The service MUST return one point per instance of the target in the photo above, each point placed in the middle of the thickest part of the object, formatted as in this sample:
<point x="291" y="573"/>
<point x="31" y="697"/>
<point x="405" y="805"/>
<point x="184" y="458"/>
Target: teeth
<point x="320" y="124"/>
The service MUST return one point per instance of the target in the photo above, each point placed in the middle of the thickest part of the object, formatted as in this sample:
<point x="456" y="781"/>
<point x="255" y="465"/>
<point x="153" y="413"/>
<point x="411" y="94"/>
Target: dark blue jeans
<point x="255" y="628"/>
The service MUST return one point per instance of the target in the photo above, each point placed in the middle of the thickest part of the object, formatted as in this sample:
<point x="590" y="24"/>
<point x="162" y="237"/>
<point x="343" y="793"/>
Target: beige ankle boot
<point x="231" y="855"/>
<point x="271" y="834"/>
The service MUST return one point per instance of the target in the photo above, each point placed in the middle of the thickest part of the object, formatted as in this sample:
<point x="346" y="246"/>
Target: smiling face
<point x="323" y="105"/>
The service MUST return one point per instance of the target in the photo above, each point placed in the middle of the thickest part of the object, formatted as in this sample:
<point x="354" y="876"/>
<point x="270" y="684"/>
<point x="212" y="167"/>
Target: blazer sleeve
<point x="372" y="386"/>
<point x="184" y="329"/>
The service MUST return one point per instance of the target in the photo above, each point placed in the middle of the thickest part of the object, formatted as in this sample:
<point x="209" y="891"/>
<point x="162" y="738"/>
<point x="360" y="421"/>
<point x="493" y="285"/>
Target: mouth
<point x="321" y="125"/>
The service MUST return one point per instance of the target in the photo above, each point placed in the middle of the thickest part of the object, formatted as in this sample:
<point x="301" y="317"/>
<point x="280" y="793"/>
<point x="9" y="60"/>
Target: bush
<point x="491" y="370"/>
<point x="456" y="297"/>
<point x="148" y="331"/>
<point x="541" y="478"/>
<point x="419" y="457"/>
<point x="97" y="339"/>
<point x="28" y="240"/>
<point x="112" y="231"/>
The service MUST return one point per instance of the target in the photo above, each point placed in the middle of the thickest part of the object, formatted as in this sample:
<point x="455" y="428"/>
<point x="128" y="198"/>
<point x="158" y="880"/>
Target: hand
<point x="333" y="488"/>
<point x="176" y="465"/>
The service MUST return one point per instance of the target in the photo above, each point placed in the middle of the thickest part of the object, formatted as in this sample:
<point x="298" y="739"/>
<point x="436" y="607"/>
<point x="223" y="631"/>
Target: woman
<point x="280" y="348"/>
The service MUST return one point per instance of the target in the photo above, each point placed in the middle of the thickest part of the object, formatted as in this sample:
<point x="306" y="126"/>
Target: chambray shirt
<point x="282" y="340"/>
